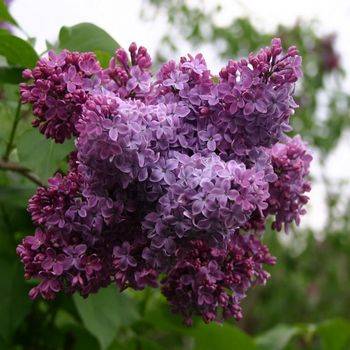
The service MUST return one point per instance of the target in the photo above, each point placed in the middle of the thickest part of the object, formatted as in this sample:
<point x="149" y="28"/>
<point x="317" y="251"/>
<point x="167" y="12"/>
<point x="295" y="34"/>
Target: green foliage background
<point x="306" y="303"/>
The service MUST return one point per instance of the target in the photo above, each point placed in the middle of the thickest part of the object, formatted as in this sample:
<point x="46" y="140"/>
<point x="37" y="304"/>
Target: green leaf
<point x="84" y="340"/>
<point x="334" y="334"/>
<point x="17" y="51"/>
<point x="103" y="57"/>
<point x="15" y="303"/>
<point x="159" y="316"/>
<point x="149" y="344"/>
<point x="10" y="75"/>
<point x="41" y="155"/>
<point x="220" y="337"/>
<point x="131" y="344"/>
<point x="5" y="15"/>
<point x="277" y="338"/>
<point x="16" y="195"/>
<point x="6" y="115"/>
<point x="105" y="312"/>
<point x="87" y="37"/>
<point x="205" y="337"/>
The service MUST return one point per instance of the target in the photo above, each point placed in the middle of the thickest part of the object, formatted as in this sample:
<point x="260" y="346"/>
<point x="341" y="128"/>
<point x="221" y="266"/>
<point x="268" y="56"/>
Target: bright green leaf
<point x="105" y="312"/>
<point x="87" y="37"/>
<point x="17" y="51"/>
<point x="103" y="57"/>
<point x="334" y="334"/>
<point x="5" y="15"/>
<point x="41" y="155"/>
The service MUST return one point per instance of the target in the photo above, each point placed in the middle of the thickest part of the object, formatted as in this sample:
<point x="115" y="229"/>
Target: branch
<point x="13" y="131"/>
<point x="17" y="168"/>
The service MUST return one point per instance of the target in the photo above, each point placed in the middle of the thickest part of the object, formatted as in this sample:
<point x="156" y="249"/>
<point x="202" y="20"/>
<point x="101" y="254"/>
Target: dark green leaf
<point x="17" y="51"/>
<point x="15" y="303"/>
<point x="10" y="75"/>
<point x="84" y="340"/>
<point x="87" y="37"/>
<point x="41" y="155"/>
<point x="148" y="344"/>
<point x="105" y="312"/>
<point x="131" y="344"/>
<point x="16" y="195"/>
<point x="5" y="15"/>
<point x="81" y="338"/>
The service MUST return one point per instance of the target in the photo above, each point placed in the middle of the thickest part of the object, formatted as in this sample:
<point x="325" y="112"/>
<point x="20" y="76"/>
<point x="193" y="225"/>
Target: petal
<point x="172" y="164"/>
<point x="211" y="145"/>
<point x="248" y="108"/>
<point x="113" y="134"/>
<point x="80" y="249"/>
<point x="143" y="174"/>
<point x="197" y="206"/>
<point x="233" y="107"/>
<point x="57" y="269"/>
<point x="71" y="87"/>
<point x="260" y="106"/>
<point x="169" y="178"/>
<point x="156" y="175"/>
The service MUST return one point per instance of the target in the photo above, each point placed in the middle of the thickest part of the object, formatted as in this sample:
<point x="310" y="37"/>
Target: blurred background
<point x="306" y="304"/>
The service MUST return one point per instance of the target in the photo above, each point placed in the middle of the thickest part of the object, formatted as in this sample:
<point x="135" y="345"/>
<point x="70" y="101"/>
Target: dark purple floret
<point x="210" y="281"/>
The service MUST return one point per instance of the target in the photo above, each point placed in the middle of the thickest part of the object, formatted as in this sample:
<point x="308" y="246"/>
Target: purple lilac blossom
<point x="174" y="176"/>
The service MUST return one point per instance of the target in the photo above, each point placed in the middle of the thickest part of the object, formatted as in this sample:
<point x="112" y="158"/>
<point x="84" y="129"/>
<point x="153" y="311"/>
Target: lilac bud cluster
<point x="172" y="180"/>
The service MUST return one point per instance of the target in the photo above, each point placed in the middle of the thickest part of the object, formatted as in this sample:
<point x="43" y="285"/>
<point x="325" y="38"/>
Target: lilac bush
<point x="173" y="179"/>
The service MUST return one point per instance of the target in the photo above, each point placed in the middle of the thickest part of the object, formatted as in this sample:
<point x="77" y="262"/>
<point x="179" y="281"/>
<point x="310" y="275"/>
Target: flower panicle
<point x="172" y="180"/>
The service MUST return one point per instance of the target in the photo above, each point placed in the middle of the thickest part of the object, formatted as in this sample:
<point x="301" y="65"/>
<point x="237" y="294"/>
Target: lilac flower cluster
<point x="172" y="176"/>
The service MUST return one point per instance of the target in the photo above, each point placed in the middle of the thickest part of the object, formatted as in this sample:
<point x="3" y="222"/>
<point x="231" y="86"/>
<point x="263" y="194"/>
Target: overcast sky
<point x="42" y="19"/>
